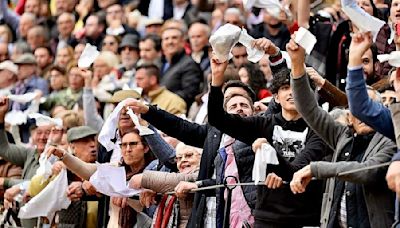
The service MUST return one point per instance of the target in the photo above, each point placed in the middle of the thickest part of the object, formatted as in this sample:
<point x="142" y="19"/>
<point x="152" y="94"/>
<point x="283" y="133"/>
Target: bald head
<point x="26" y="22"/>
<point x="198" y="36"/>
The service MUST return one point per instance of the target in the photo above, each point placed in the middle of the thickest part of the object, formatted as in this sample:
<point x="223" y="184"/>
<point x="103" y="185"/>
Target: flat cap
<point x="80" y="132"/>
<point x="129" y="40"/>
<point x="122" y="95"/>
<point x="8" y="65"/>
<point x="26" y="58"/>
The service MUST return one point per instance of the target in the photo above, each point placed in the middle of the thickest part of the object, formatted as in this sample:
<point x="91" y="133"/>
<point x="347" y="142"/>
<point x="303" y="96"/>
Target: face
<point x="232" y="19"/>
<point x="198" y="37"/>
<point x="32" y="6"/>
<point x="394" y="80"/>
<point x="91" y="26"/>
<point x="366" y="6"/>
<point x="40" y="136"/>
<point x="187" y="159"/>
<point x="124" y="121"/>
<point x="239" y="56"/>
<point x="6" y="77"/>
<point x="63" y="57"/>
<point x="26" y="70"/>
<point x="114" y="12"/>
<point x="78" y="51"/>
<point x="388" y="97"/>
<point x="65" y="25"/>
<point x="143" y="81"/>
<point x="34" y="39"/>
<point x="133" y="150"/>
<point x="43" y="58"/>
<point x="148" y="51"/>
<point x="244" y="75"/>
<point x="3" y="52"/>
<point x="265" y="68"/>
<point x="368" y="64"/>
<point x="395" y="11"/>
<point x="85" y="149"/>
<point x="57" y="80"/>
<point x="358" y="126"/>
<point x="101" y="68"/>
<point x="110" y="44"/>
<point x="4" y="35"/>
<point x="285" y="99"/>
<point x="76" y="81"/>
<point x="153" y="29"/>
<point x="65" y="6"/>
<point x="25" y="24"/>
<point x="129" y="56"/>
<point x="269" y="19"/>
<point x="172" y="42"/>
<point x="239" y="105"/>
<point x="105" y="3"/>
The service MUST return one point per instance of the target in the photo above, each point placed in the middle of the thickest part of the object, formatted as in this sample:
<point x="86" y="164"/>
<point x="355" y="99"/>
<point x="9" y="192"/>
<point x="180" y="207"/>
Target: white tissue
<point x="143" y="130"/>
<point x="305" y="39"/>
<point x="88" y="56"/>
<point x="23" y="98"/>
<point x="42" y="120"/>
<point x="15" y="118"/>
<point x="393" y="58"/>
<point x="253" y="54"/>
<point x="264" y="155"/>
<point x="273" y="7"/>
<point x="111" y="181"/>
<point x="361" y="19"/>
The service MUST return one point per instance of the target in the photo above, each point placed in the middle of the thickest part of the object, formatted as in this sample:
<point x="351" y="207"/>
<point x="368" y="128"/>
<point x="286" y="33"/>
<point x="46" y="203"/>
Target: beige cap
<point x="8" y="65"/>
<point x="26" y="58"/>
<point x="122" y="95"/>
<point x="153" y="21"/>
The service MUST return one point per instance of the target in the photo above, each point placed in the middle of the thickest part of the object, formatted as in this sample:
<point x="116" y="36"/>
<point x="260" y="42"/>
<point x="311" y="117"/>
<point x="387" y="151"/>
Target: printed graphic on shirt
<point x="288" y="143"/>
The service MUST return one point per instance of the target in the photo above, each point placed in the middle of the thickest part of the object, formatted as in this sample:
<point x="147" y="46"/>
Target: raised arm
<point x="92" y="118"/>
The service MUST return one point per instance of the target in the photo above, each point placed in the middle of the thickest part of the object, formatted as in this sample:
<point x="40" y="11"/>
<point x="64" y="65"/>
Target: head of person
<point x="251" y="75"/>
<point x="110" y="43"/>
<point x="27" y="66"/>
<point x="39" y="136"/>
<point x="147" y="77"/>
<point x="187" y="158"/>
<point x="37" y="36"/>
<point x="389" y="97"/>
<point x="63" y="6"/>
<point x="32" y="6"/>
<point x="3" y="51"/>
<point x="115" y="12"/>
<point x="282" y="90"/>
<point x="153" y="26"/>
<point x="44" y="56"/>
<point x="78" y="50"/>
<point x="150" y="48"/>
<point x="340" y="115"/>
<point x="103" y="4"/>
<point x="394" y="79"/>
<point x="368" y="6"/>
<point x="265" y="68"/>
<point x="234" y="16"/>
<point x="26" y="22"/>
<point x="94" y="26"/>
<point x="6" y="35"/>
<point x="58" y="78"/>
<point x="19" y="48"/>
<point x="135" y="152"/>
<point x="8" y="73"/>
<point x="64" y="56"/>
<point x="394" y="15"/>
<point x="238" y="98"/>
<point x="369" y="59"/>
<point x="66" y="24"/>
<point x="82" y="141"/>
<point x="105" y="63"/>
<point x="239" y="54"/>
<point x="270" y="20"/>
<point x="172" y="42"/>
<point x="75" y="79"/>
<point x="129" y="50"/>
<point x="198" y="36"/>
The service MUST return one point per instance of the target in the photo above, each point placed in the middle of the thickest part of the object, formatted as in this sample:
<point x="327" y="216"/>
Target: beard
<point x="278" y="25"/>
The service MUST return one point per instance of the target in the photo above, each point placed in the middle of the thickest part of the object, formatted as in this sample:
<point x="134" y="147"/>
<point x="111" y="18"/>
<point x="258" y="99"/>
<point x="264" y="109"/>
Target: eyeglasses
<point x="131" y="144"/>
<point x="183" y="156"/>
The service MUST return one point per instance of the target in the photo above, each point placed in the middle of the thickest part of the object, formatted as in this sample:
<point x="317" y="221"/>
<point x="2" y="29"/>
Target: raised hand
<point x="360" y="43"/>
<point x="297" y="56"/>
<point x="217" y="71"/>
<point x="137" y="106"/>
<point x="266" y="45"/>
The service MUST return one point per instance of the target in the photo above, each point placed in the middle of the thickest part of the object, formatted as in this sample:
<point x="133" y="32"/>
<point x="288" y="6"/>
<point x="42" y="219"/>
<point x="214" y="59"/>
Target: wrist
<point x="354" y="60"/>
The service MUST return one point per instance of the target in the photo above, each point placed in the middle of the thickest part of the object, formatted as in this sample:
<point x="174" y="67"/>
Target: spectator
<point x="64" y="7"/>
<point x="239" y="54"/>
<point x="94" y="28"/>
<point x="18" y="49"/>
<point x="198" y="36"/>
<point x="6" y="36"/>
<point x="116" y="21"/>
<point x="65" y="57"/>
<point x="111" y="43"/>
<point x="8" y="77"/>
<point x="78" y="51"/>
<point x="58" y="80"/>
<point x="150" y="49"/>
<point x="153" y="26"/>
<point x="251" y="75"/>
<point x="234" y="16"/>
<point x="44" y="59"/>
<point x="65" y="26"/>
<point x="129" y="52"/>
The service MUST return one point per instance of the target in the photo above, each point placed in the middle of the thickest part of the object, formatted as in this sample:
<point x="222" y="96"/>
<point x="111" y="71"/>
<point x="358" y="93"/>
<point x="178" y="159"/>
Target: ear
<point x="276" y="98"/>
<point x="153" y="80"/>
<point x="146" y="149"/>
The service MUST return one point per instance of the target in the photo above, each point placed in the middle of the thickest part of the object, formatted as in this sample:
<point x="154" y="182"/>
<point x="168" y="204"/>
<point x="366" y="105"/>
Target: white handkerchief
<point x="143" y="130"/>
<point x="42" y="120"/>
<point x="88" y="56"/>
<point x="272" y="6"/>
<point x="305" y="39"/>
<point x="223" y="40"/>
<point x="15" y="118"/>
<point x="111" y="181"/>
<point x="393" y="58"/>
<point x="51" y="199"/>
<point x="361" y="19"/>
<point x="265" y="155"/>
<point x="23" y="98"/>
<point x="253" y="54"/>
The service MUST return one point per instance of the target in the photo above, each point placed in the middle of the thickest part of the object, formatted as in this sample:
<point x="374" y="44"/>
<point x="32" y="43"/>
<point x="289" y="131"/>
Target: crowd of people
<point x="192" y="131"/>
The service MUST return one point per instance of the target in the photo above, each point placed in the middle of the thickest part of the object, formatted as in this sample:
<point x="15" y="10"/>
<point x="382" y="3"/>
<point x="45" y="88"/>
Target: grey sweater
<point x="378" y="198"/>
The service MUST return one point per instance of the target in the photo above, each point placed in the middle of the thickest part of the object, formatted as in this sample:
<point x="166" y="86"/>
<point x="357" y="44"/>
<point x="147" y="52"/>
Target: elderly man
<point x="180" y="74"/>
<point x="150" y="49"/>
<point x="129" y="51"/>
<point x="198" y="37"/>
<point x="8" y="77"/>
<point x="37" y="36"/>
<point x="4" y="55"/>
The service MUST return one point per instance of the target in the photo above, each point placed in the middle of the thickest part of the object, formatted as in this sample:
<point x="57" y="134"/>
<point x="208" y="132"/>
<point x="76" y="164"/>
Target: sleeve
<point x="191" y="80"/>
<point x="79" y="167"/>
<point x="395" y="112"/>
<point x="243" y="129"/>
<point x="164" y="182"/>
<point x="372" y="113"/>
<point x="323" y="170"/>
<point x="190" y="133"/>
<point x="10" y="152"/>
<point x="92" y="118"/>
<point x="333" y="95"/>
<point x="319" y="120"/>
<point x="9" y="16"/>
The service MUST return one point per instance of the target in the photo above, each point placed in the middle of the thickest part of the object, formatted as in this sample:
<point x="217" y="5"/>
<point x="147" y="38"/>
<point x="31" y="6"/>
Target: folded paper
<point x="264" y="155"/>
<point x="111" y="181"/>
<point x="305" y="39"/>
<point x="393" y="58"/>
<point x="143" y="130"/>
<point x="361" y="19"/>
<point x="42" y="120"/>
<point x="88" y="56"/>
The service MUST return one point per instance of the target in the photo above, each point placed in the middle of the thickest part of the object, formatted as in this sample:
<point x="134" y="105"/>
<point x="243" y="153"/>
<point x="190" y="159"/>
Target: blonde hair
<point x="109" y="58"/>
